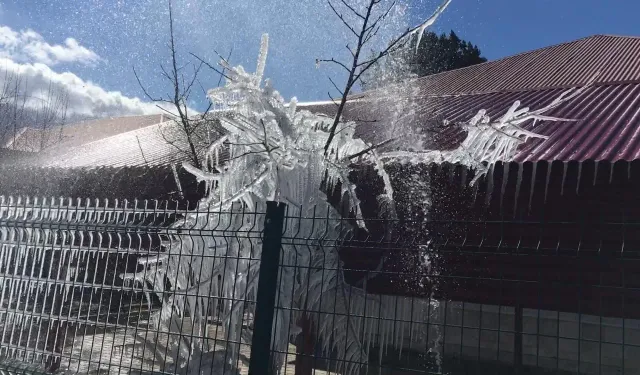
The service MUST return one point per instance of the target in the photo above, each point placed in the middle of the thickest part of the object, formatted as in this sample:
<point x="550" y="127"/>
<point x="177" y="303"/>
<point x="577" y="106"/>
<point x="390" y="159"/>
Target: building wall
<point x="562" y="240"/>
<point x="484" y="334"/>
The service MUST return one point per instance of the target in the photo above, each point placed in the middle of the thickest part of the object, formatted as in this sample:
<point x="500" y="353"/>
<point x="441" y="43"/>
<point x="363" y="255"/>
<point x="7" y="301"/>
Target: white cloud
<point x="85" y="97"/>
<point x="26" y="59"/>
<point x="27" y="46"/>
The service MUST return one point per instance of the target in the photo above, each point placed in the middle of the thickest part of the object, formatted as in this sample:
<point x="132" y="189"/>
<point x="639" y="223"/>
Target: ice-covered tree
<point x="277" y="151"/>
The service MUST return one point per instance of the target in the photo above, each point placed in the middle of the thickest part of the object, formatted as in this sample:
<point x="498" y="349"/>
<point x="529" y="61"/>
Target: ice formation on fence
<point x="276" y="152"/>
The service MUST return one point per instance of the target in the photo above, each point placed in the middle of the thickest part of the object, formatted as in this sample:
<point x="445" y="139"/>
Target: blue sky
<point x="127" y="33"/>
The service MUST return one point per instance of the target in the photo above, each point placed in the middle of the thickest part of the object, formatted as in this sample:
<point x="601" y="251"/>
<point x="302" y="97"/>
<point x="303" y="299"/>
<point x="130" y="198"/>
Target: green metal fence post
<point x="261" y="362"/>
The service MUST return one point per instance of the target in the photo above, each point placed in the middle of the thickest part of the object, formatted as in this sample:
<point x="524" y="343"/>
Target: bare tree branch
<point x="341" y="17"/>
<point x="353" y="54"/>
<point x="335" y="86"/>
<point x="46" y="113"/>
<point x="165" y="74"/>
<point x="146" y="93"/>
<point x="333" y="100"/>
<point x="368" y="30"/>
<point x="166" y="110"/>
<point x="188" y="139"/>
<point x="351" y="8"/>
<point x="352" y="73"/>
<point x="221" y="72"/>
<point x="382" y="17"/>
<point x="334" y="61"/>
<point x="141" y="152"/>
<point x="371" y="148"/>
<point x="223" y="69"/>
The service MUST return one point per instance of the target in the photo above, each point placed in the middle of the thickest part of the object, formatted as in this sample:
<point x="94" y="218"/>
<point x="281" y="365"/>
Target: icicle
<point x="533" y="183"/>
<point x="262" y="59"/>
<point x="402" y="324"/>
<point x="518" y="185"/>
<point x="176" y="178"/>
<point x="451" y="173"/>
<point x="381" y="340"/>
<point x="579" y="178"/>
<point x="395" y="331"/>
<point x="489" y="186"/>
<point x="611" y="172"/>
<point x="367" y="333"/>
<point x="628" y="170"/>
<point x="476" y="187"/>
<point x="564" y="176"/>
<point x="595" y="172"/>
<point x="546" y="186"/>
<point x="293" y="106"/>
<point x="505" y="180"/>
<point x="386" y="330"/>
<point x="430" y="21"/>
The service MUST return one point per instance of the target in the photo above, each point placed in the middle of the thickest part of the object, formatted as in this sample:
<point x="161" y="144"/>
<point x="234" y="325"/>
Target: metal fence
<point x="454" y="297"/>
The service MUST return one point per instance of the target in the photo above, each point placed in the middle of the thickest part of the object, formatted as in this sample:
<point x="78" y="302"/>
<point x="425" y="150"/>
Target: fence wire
<point x="439" y="297"/>
<point x="65" y="302"/>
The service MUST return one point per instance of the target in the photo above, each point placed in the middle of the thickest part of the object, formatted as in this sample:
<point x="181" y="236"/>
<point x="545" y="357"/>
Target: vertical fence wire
<point x="76" y="292"/>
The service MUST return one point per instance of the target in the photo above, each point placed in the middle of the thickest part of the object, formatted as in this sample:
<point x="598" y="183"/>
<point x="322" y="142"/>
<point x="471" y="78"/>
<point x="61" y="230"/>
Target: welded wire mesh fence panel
<point x="126" y="287"/>
<point x="462" y="297"/>
<point x="122" y="287"/>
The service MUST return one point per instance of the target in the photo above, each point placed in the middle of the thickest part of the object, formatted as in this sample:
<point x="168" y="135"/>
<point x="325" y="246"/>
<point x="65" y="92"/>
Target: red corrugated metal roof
<point x="615" y="58"/>
<point x="607" y="114"/>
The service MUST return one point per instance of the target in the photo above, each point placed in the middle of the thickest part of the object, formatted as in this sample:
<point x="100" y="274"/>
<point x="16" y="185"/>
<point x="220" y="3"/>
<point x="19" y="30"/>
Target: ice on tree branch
<point x="420" y="29"/>
<point x="277" y="151"/>
<point x="262" y="59"/>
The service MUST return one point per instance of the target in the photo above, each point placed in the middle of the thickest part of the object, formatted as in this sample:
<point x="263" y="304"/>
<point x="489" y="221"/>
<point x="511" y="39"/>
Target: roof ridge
<point x="440" y="74"/>
<point x="111" y="118"/>
<point x="511" y="56"/>
<point x="571" y="49"/>
<point x="616" y="36"/>
<point x="532" y="51"/>
<point x="146" y="127"/>
<point x="523" y="90"/>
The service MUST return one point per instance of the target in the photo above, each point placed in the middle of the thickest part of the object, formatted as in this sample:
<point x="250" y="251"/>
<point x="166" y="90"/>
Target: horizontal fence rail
<point x="91" y="286"/>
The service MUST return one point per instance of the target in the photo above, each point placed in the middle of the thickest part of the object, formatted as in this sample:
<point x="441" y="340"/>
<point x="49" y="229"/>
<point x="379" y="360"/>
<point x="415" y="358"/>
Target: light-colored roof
<point x="147" y="145"/>
<point x="77" y="134"/>
<point x="153" y="145"/>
